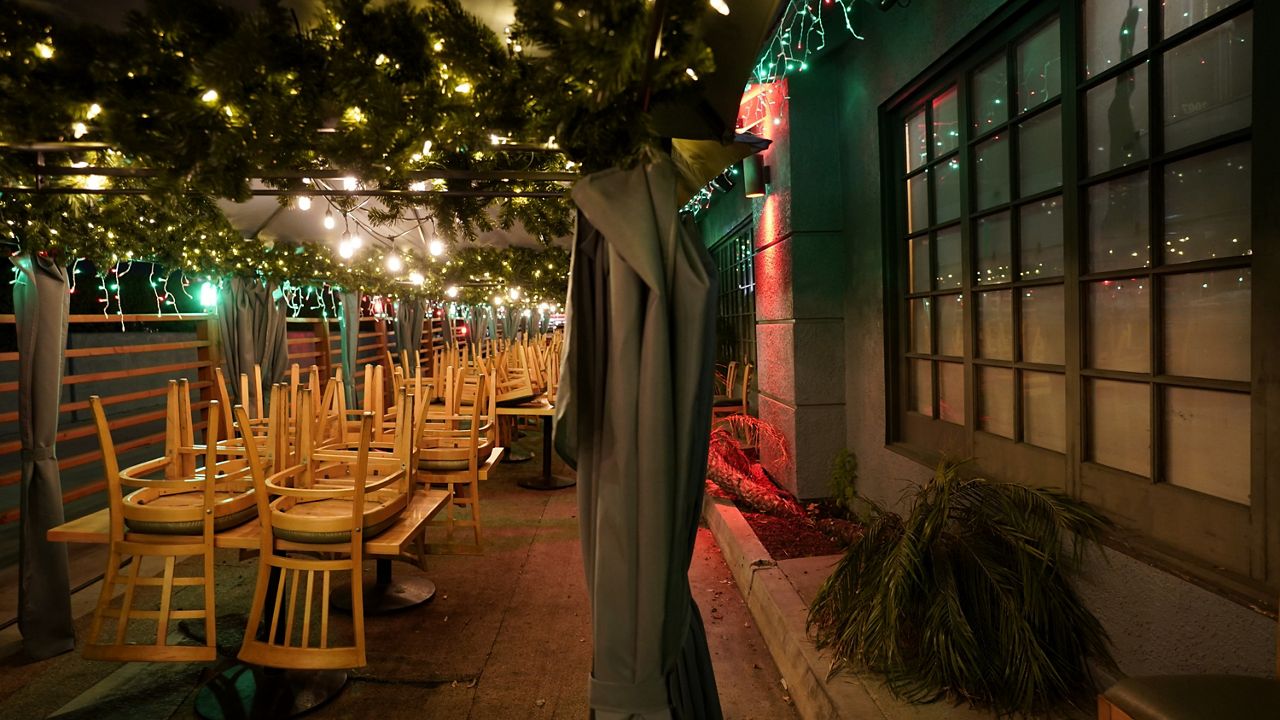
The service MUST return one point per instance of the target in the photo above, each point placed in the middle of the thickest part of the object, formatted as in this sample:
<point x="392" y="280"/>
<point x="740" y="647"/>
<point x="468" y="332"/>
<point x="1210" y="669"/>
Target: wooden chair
<point x="168" y="518"/>
<point x="1193" y="697"/>
<point x="453" y="452"/>
<point x="738" y="392"/>
<point x="328" y="504"/>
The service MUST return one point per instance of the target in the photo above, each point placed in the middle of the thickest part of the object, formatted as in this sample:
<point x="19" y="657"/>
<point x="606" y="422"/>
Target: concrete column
<point x="799" y="268"/>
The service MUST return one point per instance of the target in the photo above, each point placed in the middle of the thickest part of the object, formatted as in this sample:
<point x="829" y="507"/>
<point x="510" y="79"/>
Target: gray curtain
<point x="41" y="304"/>
<point x="508" y="322"/>
<point x="349" y="327"/>
<point x="410" y="313"/>
<point x="633" y="417"/>
<point x="254" y="329"/>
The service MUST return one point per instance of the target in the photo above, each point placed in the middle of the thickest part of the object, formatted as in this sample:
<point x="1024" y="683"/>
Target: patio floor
<point x="507" y="635"/>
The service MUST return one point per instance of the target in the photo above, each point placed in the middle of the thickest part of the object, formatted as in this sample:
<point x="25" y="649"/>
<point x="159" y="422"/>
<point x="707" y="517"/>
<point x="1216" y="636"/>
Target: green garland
<point x="207" y="97"/>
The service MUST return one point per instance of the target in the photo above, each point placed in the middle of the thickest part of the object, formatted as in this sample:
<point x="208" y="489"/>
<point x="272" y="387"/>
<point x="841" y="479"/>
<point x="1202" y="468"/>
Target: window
<point x="1073" y="242"/>
<point x="734" y="256"/>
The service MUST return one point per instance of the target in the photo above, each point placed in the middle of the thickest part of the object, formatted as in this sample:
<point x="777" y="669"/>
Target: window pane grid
<point x="736" y="307"/>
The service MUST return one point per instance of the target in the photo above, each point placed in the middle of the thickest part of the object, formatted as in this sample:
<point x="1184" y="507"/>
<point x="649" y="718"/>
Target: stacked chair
<point x="172" y="516"/>
<point x="454" y="444"/>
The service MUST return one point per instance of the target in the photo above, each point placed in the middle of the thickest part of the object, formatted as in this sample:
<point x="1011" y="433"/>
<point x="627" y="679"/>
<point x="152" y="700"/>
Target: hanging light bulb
<point x="304" y="202"/>
<point x="349" y="183"/>
<point x="452" y="291"/>
<point x="356" y="240"/>
<point x="436" y="247"/>
<point x="329" y="222"/>
<point x="394" y="263"/>
<point x="208" y="295"/>
<point x="94" y="110"/>
<point x="416" y="278"/>
<point x="210" y="96"/>
<point x="720" y="6"/>
<point x="345" y="249"/>
<point x="514" y="293"/>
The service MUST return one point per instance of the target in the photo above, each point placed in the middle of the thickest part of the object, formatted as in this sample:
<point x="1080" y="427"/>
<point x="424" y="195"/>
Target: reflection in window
<point x="946" y="123"/>
<point x="1040" y="153"/>
<point x="1041" y="239"/>
<point x="1113" y="32"/>
<point x="1208" y="84"/>
<point x="917" y="145"/>
<point x="1207" y="206"/>
<point x="1040" y="67"/>
<point x="918" y="202"/>
<point x="949" y="258"/>
<point x="995" y="325"/>
<point x="1044" y="410"/>
<point x="1182" y="14"/>
<point x="921" y="386"/>
<point x="1042" y="319"/>
<point x="990" y="107"/>
<point x="1119" y="224"/>
<point x="1119" y="125"/>
<point x="992" y="159"/>
<point x="1120" y="325"/>
<point x="951" y="392"/>
<point x="994" y="257"/>
<point x="951" y="325"/>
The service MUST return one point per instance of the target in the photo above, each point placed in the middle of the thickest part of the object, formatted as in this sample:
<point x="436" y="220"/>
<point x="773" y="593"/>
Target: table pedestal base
<point x="245" y="691"/>
<point x="386" y="594"/>
<point x="552" y="482"/>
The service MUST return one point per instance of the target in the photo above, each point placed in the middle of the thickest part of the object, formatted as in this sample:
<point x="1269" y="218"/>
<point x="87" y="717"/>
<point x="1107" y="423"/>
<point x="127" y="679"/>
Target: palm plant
<point x="730" y="469"/>
<point x="969" y="597"/>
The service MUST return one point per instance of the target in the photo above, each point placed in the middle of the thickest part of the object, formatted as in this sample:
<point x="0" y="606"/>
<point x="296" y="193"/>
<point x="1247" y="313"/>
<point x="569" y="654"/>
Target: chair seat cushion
<point x="192" y="527"/>
<point x="1196" y="697"/>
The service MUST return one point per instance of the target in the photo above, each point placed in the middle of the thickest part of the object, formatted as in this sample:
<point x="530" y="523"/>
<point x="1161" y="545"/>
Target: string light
<point x="208" y="295"/>
<point x="210" y="96"/>
<point x="329" y="222"/>
<point x="94" y="110"/>
<point x="394" y="263"/>
<point x="349" y="183"/>
<point x="436" y="247"/>
<point x="720" y="6"/>
<point x="451" y="291"/>
<point x="304" y="203"/>
<point x="44" y="50"/>
<point x="416" y="278"/>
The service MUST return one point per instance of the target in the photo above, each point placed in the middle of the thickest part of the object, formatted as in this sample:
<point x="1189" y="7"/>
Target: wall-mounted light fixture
<point x="755" y="176"/>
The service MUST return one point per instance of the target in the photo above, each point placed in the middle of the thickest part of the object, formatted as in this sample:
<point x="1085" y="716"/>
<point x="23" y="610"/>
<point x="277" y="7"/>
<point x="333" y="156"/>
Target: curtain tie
<point x="38" y="454"/>
<point x="647" y="696"/>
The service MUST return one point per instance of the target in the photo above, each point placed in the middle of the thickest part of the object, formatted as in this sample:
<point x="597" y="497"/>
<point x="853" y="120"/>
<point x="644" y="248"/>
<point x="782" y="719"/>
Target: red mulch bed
<point x="787" y="538"/>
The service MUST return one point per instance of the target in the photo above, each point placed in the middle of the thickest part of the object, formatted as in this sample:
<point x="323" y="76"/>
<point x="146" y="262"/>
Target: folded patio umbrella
<point x="253" y="325"/>
<point x="41" y="304"/>
<point x="633" y="417"/>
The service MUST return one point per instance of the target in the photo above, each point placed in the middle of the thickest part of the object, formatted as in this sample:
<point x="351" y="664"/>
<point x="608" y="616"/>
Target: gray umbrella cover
<point x="410" y="313"/>
<point x="41" y="305"/>
<point x="254" y="328"/>
<point x="634" y="418"/>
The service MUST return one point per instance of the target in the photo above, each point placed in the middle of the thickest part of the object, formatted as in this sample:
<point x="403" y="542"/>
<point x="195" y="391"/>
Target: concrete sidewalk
<point x="507" y="636"/>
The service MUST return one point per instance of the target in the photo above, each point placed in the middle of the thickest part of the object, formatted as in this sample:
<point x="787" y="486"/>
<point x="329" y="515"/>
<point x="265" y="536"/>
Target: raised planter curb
<point x="780" y="616"/>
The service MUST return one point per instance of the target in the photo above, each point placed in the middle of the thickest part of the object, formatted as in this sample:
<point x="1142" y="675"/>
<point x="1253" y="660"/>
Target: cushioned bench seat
<point x="1195" y="697"/>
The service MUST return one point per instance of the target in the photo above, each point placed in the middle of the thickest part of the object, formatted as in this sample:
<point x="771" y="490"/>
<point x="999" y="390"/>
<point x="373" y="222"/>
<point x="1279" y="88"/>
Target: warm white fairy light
<point x="720" y="6"/>
<point x="416" y="278"/>
<point x="94" y="111"/>
<point x="329" y="222"/>
<point x="349" y="183"/>
<point x="79" y="130"/>
<point x="513" y="293"/>
<point x="394" y="263"/>
<point x="451" y="291"/>
<point x="304" y="202"/>
<point x="210" y="96"/>
<point x="436" y="247"/>
<point x="346" y="250"/>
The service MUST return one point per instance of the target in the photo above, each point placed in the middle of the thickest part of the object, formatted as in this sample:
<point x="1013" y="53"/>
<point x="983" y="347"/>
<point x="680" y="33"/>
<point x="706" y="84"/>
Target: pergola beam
<point x="273" y="192"/>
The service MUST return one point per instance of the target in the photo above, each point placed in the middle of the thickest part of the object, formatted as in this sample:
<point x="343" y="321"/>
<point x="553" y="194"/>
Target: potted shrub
<point x="969" y="596"/>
